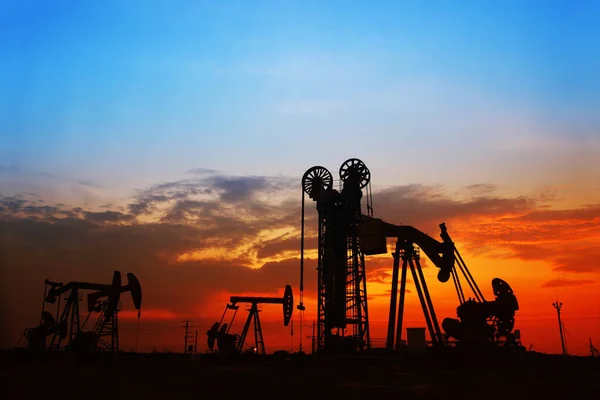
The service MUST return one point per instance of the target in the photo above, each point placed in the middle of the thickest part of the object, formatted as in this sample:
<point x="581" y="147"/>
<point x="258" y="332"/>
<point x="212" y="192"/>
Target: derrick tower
<point x="343" y="325"/>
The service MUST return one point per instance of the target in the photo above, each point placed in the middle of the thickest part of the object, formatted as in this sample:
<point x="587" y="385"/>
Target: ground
<point x="175" y="377"/>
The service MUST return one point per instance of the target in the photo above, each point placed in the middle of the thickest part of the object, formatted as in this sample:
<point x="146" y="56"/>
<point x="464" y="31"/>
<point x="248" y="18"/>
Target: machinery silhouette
<point x="228" y="343"/>
<point x="479" y="322"/>
<point x="102" y="300"/>
<point x="346" y="235"/>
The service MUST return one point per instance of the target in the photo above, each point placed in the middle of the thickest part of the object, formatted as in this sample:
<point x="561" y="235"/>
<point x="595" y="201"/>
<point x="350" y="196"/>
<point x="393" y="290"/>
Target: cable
<point x="570" y="334"/>
<point x="301" y="306"/>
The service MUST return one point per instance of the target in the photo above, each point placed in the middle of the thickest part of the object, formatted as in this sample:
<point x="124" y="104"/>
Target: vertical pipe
<point x="320" y="311"/>
<point x="301" y="306"/>
<point x="393" y="299"/>
<point x="302" y="252"/>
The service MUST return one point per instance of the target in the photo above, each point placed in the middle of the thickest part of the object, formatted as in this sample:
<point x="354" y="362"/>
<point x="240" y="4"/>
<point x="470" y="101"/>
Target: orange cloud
<point x="193" y="243"/>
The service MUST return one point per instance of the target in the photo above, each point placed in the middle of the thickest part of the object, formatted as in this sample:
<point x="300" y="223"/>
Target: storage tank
<point x="415" y="338"/>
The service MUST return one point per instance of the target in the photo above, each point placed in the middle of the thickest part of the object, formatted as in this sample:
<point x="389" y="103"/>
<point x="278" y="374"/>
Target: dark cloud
<point x="239" y="188"/>
<point x="13" y="203"/>
<point x="108" y="216"/>
<point x="41" y="210"/>
<point x="566" y="282"/>
<point x="426" y="206"/>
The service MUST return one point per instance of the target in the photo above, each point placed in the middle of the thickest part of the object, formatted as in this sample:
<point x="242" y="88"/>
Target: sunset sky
<point x="169" y="138"/>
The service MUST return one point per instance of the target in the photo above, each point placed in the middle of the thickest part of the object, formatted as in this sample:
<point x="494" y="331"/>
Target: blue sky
<point x="129" y="93"/>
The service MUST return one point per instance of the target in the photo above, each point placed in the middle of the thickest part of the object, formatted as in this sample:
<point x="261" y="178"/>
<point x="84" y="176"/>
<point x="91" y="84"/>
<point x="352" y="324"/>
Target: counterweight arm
<point x="440" y="253"/>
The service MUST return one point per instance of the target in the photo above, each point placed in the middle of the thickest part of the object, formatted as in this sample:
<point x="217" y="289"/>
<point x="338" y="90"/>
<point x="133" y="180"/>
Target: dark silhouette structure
<point x="563" y="345"/>
<point x="346" y="235"/>
<point x="102" y="299"/>
<point x="190" y="344"/>
<point x="342" y="290"/>
<point x="228" y="343"/>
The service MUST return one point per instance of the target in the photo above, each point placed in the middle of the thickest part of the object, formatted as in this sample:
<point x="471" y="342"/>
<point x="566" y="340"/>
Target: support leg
<point x="258" y="336"/>
<point x="240" y="345"/>
<point x="401" y="305"/>
<point x="422" y="300"/>
<point x="436" y="326"/>
<point x="393" y="300"/>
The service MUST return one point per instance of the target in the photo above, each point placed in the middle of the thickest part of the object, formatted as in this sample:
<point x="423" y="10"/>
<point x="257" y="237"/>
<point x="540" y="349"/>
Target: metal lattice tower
<point x="342" y="323"/>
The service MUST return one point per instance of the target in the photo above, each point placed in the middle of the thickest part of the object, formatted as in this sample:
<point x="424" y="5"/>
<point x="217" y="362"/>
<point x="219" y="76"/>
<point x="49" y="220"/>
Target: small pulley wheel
<point x="355" y="169"/>
<point x="316" y="179"/>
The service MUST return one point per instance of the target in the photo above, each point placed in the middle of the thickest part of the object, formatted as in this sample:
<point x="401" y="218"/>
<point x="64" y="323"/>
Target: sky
<point x="169" y="138"/>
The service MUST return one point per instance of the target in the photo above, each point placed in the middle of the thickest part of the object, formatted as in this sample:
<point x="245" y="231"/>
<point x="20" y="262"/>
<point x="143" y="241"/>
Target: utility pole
<point x="593" y="351"/>
<point x="189" y="339"/>
<point x="558" y="306"/>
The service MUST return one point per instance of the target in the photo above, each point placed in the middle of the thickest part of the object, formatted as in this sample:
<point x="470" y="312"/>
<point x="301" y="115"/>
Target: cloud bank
<point x="196" y="240"/>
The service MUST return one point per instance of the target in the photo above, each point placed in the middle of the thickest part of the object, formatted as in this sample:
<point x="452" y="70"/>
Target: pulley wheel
<point x="316" y="179"/>
<point x="356" y="170"/>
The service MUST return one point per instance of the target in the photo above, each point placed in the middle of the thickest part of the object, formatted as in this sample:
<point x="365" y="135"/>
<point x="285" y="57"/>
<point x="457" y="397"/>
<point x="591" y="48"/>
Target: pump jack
<point x="480" y="322"/>
<point x="346" y="235"/>
<point x="234" y="344"/>
<point x="104" y="299"/>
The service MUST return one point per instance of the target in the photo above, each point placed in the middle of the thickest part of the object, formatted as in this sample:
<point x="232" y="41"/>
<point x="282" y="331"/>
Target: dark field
<point x="175" y="377"/>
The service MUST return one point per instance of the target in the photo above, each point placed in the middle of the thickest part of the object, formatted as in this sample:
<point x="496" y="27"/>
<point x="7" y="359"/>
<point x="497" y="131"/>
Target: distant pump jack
<point x="103" y="300"/>
<point x="232" y="344"/>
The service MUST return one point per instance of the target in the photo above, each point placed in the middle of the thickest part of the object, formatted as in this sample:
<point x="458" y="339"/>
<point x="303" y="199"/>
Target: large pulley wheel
<point x="316" y="179"/>
<point x="356" y="170"/>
